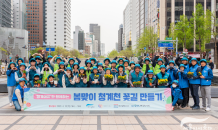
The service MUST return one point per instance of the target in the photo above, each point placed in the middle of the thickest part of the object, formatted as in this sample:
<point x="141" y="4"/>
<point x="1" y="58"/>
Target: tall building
<point x="6" y="19"/>
<point x="95" y="48"/>
<point x="96" y="30"/>
<point x="120" y="38"/>
<point x="116" y="46"/>
<point x="81" y="40"/>
<point x="19" y="14"/>
<point x="34" y="13"/>
<point x="58" y="23"/>
<point x="75" y="37"/>
<point x="102" y="49"/>
<point x="129" y="24"/>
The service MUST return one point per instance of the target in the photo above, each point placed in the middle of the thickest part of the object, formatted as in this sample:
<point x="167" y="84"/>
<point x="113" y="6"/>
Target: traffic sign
<point x="51" y="49"/>
<point x="144" y="48"/>
<point x="168" y="45"/>
<point x="169" y="38"/>
<point x="170" y="48"/>
<point x="33" y="47"/>
<point x="164" y="42"/>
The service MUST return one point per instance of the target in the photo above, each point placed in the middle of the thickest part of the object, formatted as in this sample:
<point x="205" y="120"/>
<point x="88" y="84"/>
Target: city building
<point x="34" y="21"/>
<point x="129" y="24"/>
<point x="75" y="37"/>
<point x="19" y="14"/>
<point x="87" y="50"/>
<point x="6" y="13"/>
<point x="120" y="38"/>
<point x="96" y="30"/>
<point x="102" y="49"/>
<point x="95" y="49"/>
<point x="81" y="40"/>
<point x="116" y="46"/>
<point x="58" y="23"/>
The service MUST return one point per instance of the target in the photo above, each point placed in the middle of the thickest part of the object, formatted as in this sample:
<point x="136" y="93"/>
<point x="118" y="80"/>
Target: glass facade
<point x="5" y="13"/>
<point x="168" y="15"/>
<point x="189" y="8"/>
<point x="178" y="9"/>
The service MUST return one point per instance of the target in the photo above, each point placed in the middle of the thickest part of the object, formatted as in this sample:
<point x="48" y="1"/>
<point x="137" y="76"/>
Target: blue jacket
<point x="186" y="68"/>
<point x="196" y="79"/>
<point x="11" y="78"/>
<point x="165" y="76"/>
<point x="172" y="73"/>
<point x="177" y="94"/>
<point x="208" y="74"/>
<point x="14" y="98"/>
<point x="121" y="84"/>
<point x="91" y="78"/>
<point x="183" y="80"/>
<point x="136" y="78"/>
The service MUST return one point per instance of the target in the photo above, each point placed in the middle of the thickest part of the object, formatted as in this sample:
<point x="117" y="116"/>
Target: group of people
<point x="159" y="72"/>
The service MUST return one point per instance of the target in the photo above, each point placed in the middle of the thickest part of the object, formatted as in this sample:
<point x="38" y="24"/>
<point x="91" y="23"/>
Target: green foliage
<point x="101" y="57"/>
<point x="37" y="50"/>
<point x="127" y="52"/>
<point x="147" y="39"/>
<point x="113" y="54"/>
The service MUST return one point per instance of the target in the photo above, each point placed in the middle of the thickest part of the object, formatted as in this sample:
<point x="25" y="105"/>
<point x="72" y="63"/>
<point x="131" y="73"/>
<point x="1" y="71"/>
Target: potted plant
<point x="150" y="82"/>
<point x="162" y="82"/>
<point x="199" y="73"/>
<point x="24" y="73"/>
<point x="122" y="78"/>
<point x="39" y="83"/>
<point x="190" y="75"/>
<point x="96" y="78"/>
<point x="56" y="80"/>
<point x="137" y="84"/>
<point x="108" y="77"/>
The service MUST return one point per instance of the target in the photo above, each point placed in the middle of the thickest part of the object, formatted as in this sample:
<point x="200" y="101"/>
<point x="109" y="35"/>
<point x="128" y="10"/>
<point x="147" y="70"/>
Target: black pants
<point x="185" y="94"/>
<point x="194" y="92"/>
<point x="179" y="102"/>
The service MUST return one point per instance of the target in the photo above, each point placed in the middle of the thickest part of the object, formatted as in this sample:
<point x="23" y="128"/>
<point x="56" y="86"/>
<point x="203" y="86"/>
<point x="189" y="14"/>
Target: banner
<point x="38" y="99"/>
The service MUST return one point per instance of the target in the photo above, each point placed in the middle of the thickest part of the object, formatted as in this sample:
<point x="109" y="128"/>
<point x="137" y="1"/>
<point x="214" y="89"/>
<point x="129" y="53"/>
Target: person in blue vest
<point x="184" y="62"/>
<point x="159" y="62"/>
<point x="107" y="63"/>
<point x="72" y="61"/>
<point x="195" y="82"/>
<point x="150" y="80"/>
<point x="121" y="72"/>
<point x="19" y="61"/>
<point x="51" y="83"/>
<point x="21" y="73"/>
<point x="32" y="69"/>
<point x="181" y="75"/>
<point x="81" y="80"/>
<point x="163" y="75"/>
<point x="34" y="83"/>
<point x="60" y="72"/>
<point x="48" y="61"/>
<point x="176" y="94"/>
<point x="18" y="95"/>
<point x="95" y="78"/>
<point x="136" y="76"/>
<point x="75" y="69"/>
<point x="147" y="66"/>
<point x="113" y="67"/>
<point x="68" y="79"/>
<point x="106" y="83"/>
<point x="11" y="82"/>
<point x="172" y="70"/>
<point x="206" y="77"/>
<point x="132" y="66"/>
<point x="39" y="62"/>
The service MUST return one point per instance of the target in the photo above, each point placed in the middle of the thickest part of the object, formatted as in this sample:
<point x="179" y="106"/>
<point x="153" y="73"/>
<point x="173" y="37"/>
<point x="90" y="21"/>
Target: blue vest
<point x="49" y="85"/>
<point x="19" y="74"/>
<point x="108" y="85"/>
<point x="186" y="68"/>
<point x="31" y="74"/>
<point x="171" y="73"/>
<point x="183" y="80"/>
<point x="52" y="68"/>
<point x="39" y="66"/>
<point x="147" y="81"/>
<point x="92" y="79"/>
<point x="159" y="76"/>
<point x="136" y="78"/>
<point x="14" y="98"/>
<point x="121" y="84"/>
<point x="60" y="75"/>
<point x="205" y="82"/>
<point x="81" y="84"/>
<point x="67" y="82"/>
<point x="194" y="69"/>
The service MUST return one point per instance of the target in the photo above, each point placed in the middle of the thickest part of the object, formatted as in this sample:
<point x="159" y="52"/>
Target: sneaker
<point x="178" y="107"/>
<point x="192" y="106"/>
<point x="183" y="106"/>
<point x="11" y="104"/>
<point x="196" y="108"/>
<point x="204" y="108"/>
<point x="172" y="108"/>
<point x="187" y="105"/>
<point x="207" y="109"/>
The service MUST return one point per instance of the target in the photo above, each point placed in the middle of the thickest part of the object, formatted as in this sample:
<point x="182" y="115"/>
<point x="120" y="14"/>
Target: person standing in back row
<point x="211" y="64"/>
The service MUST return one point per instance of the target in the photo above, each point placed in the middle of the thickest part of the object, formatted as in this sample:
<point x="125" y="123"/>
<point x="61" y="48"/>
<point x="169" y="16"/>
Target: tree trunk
<point x="215" y="53"/>
<point x="200" y="48"/>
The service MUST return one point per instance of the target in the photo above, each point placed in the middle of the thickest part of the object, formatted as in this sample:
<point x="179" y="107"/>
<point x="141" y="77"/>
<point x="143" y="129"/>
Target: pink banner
<point x="53" y="96"/>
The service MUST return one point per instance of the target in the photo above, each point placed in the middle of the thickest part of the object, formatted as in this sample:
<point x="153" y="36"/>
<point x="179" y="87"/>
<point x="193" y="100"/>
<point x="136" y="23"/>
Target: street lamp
<point x="37" y="45"/>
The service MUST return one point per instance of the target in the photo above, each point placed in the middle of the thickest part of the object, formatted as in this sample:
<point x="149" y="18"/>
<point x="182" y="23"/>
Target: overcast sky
<point x="107" y="13"/>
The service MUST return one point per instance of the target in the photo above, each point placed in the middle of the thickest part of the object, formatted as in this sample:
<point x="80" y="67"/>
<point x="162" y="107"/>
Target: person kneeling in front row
<point x="19" y="95"/>
<point x="176" y="94"/>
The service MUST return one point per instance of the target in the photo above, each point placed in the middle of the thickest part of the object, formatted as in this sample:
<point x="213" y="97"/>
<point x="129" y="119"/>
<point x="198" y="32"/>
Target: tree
<point x="148" y="39"/>
<point x="214" y="34"/>
<point x="201" y="26"/>
<point x="127" y="52"/>
<point x="182" y="31"/>
<point x="113" y="54"/>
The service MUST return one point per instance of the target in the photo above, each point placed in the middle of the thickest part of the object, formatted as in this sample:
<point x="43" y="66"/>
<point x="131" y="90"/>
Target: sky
<point x="106" y="13"/>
